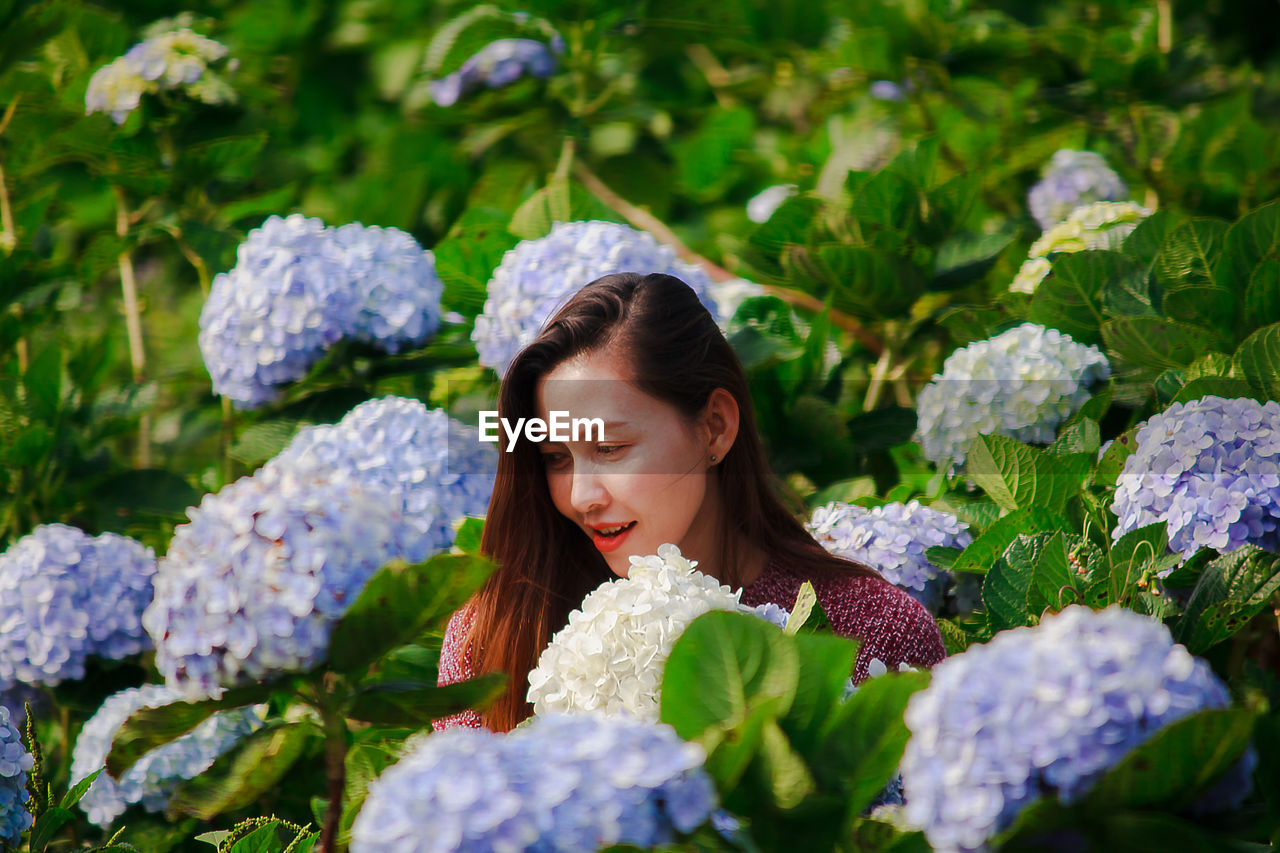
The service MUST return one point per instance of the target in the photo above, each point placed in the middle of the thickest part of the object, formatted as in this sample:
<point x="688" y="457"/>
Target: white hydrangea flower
<point x="610" y="656"/>
<point x="177" y="60"/>
<point x="1101" y="225"/>
<point x="764" y="203"/>
<point x="728" y="295"/>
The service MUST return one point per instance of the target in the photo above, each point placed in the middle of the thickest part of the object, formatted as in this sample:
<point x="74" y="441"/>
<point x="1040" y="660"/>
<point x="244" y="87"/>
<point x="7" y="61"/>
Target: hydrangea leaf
<point x="1113" y="458"/>
<point x="1258" y="358"/>
<point x="1017" y="476"/>
<point x="955" y="638"/>
<point x="464" y="35"/>
<point x="984" y="550"/>
<point x="881" y="429"/>
<point x="1185" y="268"/>
<point x="470" y="530"/>
<point x="399" y="602"/>
<point x="1254" y="238"/>
<point x="1082" y="436"/>
<point x="1042" y="558"/>
<point x="417" y="703"/>
<point x="869" y="282"/>
<point x="1231" y="590"/>
<point x="965" y="258"/>
<point x="825" y="663"/>
<point x="789" y="226"/>
<point x="1004" y="594"/>
<point x="706" y="163"/>
<point x="371" y="752"/>
<point x="153" y="491"/>
<point x="1217" y="386"/>
<point x="1071" y="300"/>
<point x="1157" y="343"/>
<point x="1144" y="243"/>
<point x="468" y="255"/>
<point x="781" y="770"/>
<point x="1262" y="298"/>
<point x="242" y="775"/>
<point x="561" y="200"/>
<point x="1176" y="763"/>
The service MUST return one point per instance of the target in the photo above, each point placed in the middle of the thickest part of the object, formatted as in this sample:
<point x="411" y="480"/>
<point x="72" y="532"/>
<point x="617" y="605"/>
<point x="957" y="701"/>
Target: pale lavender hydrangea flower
<point x="15" y="763"/>
<point x="253" y="584"/>
<point x="538" y="276"/>
<point x="69" y="596"/>
<point x="562" y="784"/>
<point x="1023" y="383"/>
<point x="1042" y="711"/>
<point x="499" y="63"/>
<point x="1072" y="179"/>
<point x="173" y="61"/>
<point x="433" y="468"/>
<point x="153" y="778"/>
<point x="1210" y="470"/>
<point x="892" y="539"/>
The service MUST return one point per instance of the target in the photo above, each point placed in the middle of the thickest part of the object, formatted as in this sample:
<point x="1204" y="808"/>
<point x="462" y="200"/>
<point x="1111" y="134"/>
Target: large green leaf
<point x="1232" y="589"/>
<point x="1135" y="553"/>
<point x="400" y="602"/>
<point x="984" y="550"/>
<point x="1185" y="268"/>
<point x="1004" y="594"/>
<point x="1017" y="476"/>
<point x="706" y="160"/>
<point x="826" y="660"/>
<point x="1045" y="558"/>
<point x="787" y="228"/>
<point x="1252" y="240"/>
<point x="1258" y="359"/>
<point x="1083" y="289"/>
<point x="241" y="776"/>
<point x="868" y="282"/>
<point x="417" y="704"/>
<point x="1262" y="298"/>
<point x="1144" y="243"/>
<point x="1158" y="343"/>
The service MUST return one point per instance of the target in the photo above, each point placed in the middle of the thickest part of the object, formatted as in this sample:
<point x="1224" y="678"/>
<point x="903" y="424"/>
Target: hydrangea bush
<point x="69" y="596"/>
<point x="432" y="467"/>
<point x="538" y="276"/>
<point x="1071" y="179"/>
<point x="177" y="61"/>
<point x="1041" y="711"/>
<point x="298" y="287"/>
<point x="1022" y="383"/>
<point x="562" y="784"/>
<point x="499" y="63"/>
<point x="892" y="539"/>
<point x="15" y="763"/>
<point x="610" y="655"/>
<point x="1101" y="225"/>
<point x="153" y="778"/>
<point x="1210" y="470"/>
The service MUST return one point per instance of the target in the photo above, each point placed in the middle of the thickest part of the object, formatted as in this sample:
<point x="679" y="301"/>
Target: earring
<point x="713" y="459"/>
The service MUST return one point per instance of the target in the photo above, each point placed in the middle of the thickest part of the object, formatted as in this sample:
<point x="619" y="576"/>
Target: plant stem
<point x="335" y="758"/>
<point x="1164" y="25"/>
<point x="133" y="325"/>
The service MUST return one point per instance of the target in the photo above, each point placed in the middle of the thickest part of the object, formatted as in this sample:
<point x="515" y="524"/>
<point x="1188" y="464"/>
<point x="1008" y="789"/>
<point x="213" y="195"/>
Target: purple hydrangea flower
<point x="1042" y="711"/>
<point x="1022" y="383"/>
<point x="153" y="778"/>
<point x="559" y="785"/>
<point x="538" y="276"/>
<point x="892" y="540"/>
<point x="1072" y="179"/>
<point x="497" y="64"/>
<point x="1209" y="469"/>
<point x="69" y="596"/>
<point x="298" y="287"/>
<point x="433" y="467"/>
<point x="15" y="763"/>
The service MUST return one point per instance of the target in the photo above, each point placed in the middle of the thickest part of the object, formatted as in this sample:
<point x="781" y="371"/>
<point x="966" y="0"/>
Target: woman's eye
<point x="610" y="449"/>
<point x="553" y="460"/>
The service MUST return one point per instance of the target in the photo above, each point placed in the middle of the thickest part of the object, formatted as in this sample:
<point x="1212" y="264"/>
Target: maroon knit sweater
<point x="894" y="628"/>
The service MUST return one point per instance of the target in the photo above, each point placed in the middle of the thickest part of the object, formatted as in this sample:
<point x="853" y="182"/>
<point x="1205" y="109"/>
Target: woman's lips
<point x="611" y="543"/>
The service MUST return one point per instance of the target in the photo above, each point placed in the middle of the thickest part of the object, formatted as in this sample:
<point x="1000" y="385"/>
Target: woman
<point x="681" y="462"/>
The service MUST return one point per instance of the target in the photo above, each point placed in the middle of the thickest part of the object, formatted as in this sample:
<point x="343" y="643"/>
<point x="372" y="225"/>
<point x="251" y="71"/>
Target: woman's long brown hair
<point x="546" y="564"/>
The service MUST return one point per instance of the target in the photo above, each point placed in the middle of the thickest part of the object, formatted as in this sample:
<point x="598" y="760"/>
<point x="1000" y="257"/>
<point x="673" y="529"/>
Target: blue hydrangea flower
<point x="172" y="61"/>
<point x="298" y="287"/>
<point x="558" y="785"/>
<point x="16" y="698"/>
<point x="434" y="468"/>
<point x="1209" y="469"/>
<point x="497" y="64"/>
<point x="1072" y="179"/>
<point x="538" y="276"/>
<point x="152" y="780"/>
<point x="1041" y="711"/>
<point x="771" y="613"/>
<point x="252" y="585"/>
<point x="68" y="596"/>
<point x="1022" y="383"/>
<point x="15" y="762"/>
<point x="892" y="540"/>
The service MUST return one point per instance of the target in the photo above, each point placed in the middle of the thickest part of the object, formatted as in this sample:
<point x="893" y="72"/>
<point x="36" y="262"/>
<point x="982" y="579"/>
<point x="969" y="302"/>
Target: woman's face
<point x="649" y="473"/>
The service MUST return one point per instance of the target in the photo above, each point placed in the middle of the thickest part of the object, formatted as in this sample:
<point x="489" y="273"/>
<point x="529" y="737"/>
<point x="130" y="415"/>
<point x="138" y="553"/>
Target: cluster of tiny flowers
<point x="252" y="585"/>
<point x="15" y="762"/>
<point x="1041" y="711"/>
<point x="433" y="468"/>
<point x="562" y="784"/>
<point x="69" y="596"/>
<point x="1101" y="225"/>
<point x="173" y="61"/>
<point x="497" y="64"/>
<point x="1072" y="179"/>
<point x="298" y="287"/>
<point x="538" y="276"/>
<point x="1022" y="383"/>
<point x="610" y="656"/>
<point x="892" y="539"/>
<point x="153" y="778"/>
<point x="762" y="205"/>
<point x="1210" y="470"/>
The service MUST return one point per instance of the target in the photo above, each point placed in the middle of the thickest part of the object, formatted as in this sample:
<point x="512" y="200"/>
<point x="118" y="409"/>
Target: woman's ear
<point x="720" y="418"/>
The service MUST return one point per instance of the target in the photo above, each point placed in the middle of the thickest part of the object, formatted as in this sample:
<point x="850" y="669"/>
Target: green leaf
<point x="1262" y="298"/>
<point x="77" y="791"/>
<point x="1218" y="386"/>
<point x="1004" y="594"/>
<point x="943" y="556"/>
<point x="1044" y="557"/>
<point x="1258" y="359"/>
<point x="782" y="771"/>
<point x="826" y="660"/>
<point x="43" y="382"/>
<point x="1255" y="238"/>
<point x="881" y="429"/>
<point x="469" y="532"/>
<point x="1184" y="266"/>
<point x="806" y="613"/>
<point x="1071" y="300"/>
<point x="984" y="550"/>
<point x="1176" y="763"/>
<point x="153" y="491"/>
<point x="1157" y="343"/>
<point x="1083" y="436"/>
<point x="561" y="200"/>
<point x="399" y="603"/>
<point x="239" y="777"/>
<point x="1017" y="476"/>
<point x="47" y="826"/>
<point x="148" y="728"/>
<point x="965" y="258"/>
<point x="1135" y="553"/>
<point x="416" y="704"/>
<point x="706" y="160"/>
<point x="463" y="36"/>
<point x="1113" y="459"/>
<point x="868" y="282"/>
<point x="1232" y="589"/>
<point x="954" y="638"/>
<point x="787" y="228"/>
<point x="1144" y="243"/>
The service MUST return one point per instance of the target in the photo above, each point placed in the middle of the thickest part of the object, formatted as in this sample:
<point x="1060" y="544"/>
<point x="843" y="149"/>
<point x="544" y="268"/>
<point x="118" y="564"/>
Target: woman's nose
<point x="587" y="492"/>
